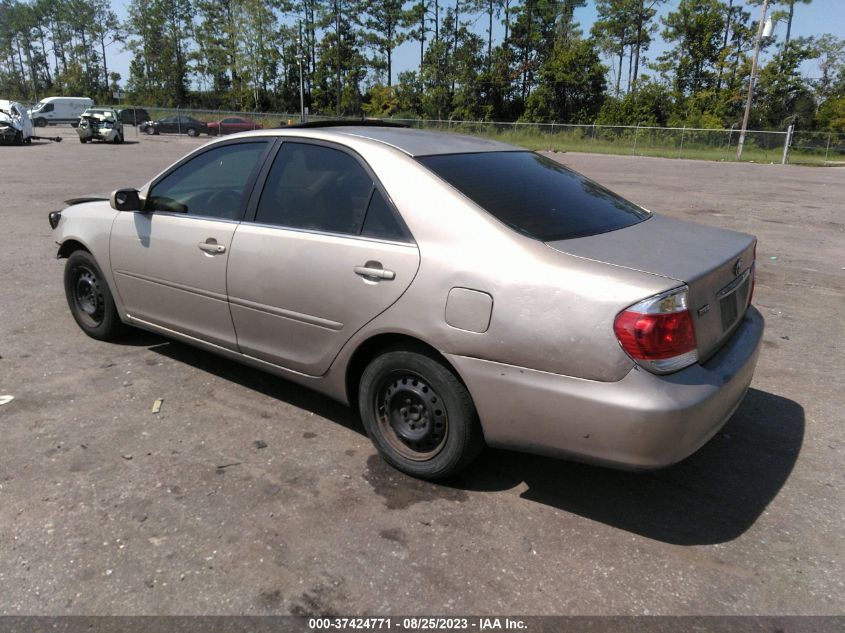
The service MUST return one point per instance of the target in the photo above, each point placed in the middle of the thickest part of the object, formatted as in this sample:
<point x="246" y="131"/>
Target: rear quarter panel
<point x="551" y="311"/>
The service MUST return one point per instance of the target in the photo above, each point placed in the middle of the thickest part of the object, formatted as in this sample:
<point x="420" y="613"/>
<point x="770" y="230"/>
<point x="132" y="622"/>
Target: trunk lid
<point x="714" y="263"/>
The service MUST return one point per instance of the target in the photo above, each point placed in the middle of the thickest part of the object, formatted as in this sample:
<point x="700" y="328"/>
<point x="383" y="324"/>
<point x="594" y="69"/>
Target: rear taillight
<point x="658" y="332"/>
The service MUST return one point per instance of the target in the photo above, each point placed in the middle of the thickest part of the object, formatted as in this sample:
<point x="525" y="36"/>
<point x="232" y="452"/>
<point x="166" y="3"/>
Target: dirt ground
<point x="106" y="508"/>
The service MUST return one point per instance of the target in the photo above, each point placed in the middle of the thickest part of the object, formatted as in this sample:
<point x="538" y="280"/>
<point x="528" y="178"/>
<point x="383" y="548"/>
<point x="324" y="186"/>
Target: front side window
<point x="317" y="188"/>
<point x="209" y="185"/>
<point x="534" y="195"/>
<point x="47" y="107"/>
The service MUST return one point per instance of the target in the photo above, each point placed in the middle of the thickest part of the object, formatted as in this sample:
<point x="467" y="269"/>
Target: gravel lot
<point x="106" y="508"/>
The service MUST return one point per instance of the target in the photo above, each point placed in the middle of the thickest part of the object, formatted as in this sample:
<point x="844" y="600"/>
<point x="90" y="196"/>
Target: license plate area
<point x="733" y="299"/>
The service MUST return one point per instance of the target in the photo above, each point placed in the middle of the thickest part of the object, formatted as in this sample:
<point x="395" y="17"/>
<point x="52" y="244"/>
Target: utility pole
<point x="751" y="81"/>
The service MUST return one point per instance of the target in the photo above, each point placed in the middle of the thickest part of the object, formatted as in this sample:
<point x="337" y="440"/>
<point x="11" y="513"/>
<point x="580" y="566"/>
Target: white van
<point x="59" y="110"/>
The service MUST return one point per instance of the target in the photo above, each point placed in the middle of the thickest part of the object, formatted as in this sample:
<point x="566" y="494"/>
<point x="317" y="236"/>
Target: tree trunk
<point x="789" y="22"/>
<point x="724" y="46"/>
<point x="619" y="68"/>
<point x="422" y="32"/>
<point x="105" y="65"/>
<point x="337" y="44"/>
<point x="489" y="33"/>
<point x="637" y="46"/>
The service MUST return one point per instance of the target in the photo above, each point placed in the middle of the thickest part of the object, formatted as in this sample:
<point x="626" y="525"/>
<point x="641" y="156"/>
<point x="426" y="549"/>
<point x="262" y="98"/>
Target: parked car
<point x="233" y="124"/>
<point x="176" y="125"/>
<point x="456" y="290"/>
<point x="15" y="126"/>
<point x="100" y="124"/>
<point x="59" y="110"/>
<point x="133" y="116"/>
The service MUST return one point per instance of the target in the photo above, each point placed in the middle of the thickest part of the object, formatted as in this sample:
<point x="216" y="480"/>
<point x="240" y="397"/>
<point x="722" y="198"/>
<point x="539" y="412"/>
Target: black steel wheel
<point x="418" y="414"/>
<point x="90" y="299"/>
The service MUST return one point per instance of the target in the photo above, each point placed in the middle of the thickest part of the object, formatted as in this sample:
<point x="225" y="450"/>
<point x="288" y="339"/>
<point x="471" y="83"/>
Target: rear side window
<point x="381" y="222"/>
<point x="534" y="195"/>
<point x="316" y="188"/>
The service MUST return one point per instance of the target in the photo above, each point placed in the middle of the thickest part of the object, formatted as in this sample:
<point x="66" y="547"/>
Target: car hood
<point x="92" y="197"/>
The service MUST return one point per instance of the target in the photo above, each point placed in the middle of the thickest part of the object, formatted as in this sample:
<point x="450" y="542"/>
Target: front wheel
<point x="90" y="299"/>
<point x="41" y="122"/>
<point x="418" y="414"/>
<point x="192" y="131"/>
<point x="150" y="130"/>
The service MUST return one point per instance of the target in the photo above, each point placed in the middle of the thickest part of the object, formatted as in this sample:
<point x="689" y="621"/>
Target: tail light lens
<point x="658" y="332"/>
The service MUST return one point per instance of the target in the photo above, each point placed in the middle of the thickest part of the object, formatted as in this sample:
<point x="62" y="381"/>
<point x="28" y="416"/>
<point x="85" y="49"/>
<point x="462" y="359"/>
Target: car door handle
<point x="373" y="270"/>
<point x="212" y="247"/>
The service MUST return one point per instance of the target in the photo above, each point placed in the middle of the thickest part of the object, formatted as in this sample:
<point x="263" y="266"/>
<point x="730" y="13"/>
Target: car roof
<point x="410" y="141"/>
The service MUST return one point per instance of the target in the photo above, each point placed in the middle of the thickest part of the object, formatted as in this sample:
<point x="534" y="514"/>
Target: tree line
<point x="497" y="60"/>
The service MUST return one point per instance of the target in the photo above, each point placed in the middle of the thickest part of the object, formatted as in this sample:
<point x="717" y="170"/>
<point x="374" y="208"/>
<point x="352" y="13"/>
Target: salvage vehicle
<point x="59" y="110"/>
<point x="133" y="116"/>
<point x="175" y="125"/>
<point x="15" y="126"/>
<point x="458" y="291"/>
<point x="100" y="124"/>
<point x="232" y="125"/>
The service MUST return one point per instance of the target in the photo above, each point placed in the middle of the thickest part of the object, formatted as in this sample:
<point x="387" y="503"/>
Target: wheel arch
<point x="368" y="349"/>
<point x="69" y="246"/>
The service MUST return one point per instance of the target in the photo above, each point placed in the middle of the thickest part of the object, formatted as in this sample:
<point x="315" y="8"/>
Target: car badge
<point x="737" y="266"/>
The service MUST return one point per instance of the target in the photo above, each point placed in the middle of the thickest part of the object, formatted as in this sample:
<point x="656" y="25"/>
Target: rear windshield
<point x="535" y="195"/>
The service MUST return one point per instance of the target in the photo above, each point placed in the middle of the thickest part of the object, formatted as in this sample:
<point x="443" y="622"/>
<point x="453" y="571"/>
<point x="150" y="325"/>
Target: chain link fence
<point x="707" y="144"/>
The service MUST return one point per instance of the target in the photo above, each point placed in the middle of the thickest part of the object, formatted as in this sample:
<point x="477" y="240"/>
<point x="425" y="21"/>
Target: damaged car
<point x="15" y="125"/>
<point x="458" y="291"/>
<point x="100" y="124"/>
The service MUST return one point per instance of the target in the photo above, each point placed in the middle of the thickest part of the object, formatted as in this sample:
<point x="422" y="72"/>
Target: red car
<point x="232" y="124"/>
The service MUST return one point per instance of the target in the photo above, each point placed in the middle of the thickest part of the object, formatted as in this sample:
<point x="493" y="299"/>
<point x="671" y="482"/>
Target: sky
<point x="821" y="16"/>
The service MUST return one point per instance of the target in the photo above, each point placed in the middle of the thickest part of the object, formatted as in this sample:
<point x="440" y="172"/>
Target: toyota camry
<point x="458" y="291"/>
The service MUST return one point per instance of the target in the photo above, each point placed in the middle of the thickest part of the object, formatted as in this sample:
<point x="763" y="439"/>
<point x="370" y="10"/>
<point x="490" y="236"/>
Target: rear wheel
<point x="90" y="299"/>
<point x="418" y="414"/>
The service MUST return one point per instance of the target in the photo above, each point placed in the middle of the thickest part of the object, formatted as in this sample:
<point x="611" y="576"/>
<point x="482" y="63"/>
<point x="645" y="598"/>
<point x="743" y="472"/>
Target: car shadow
<point x="260" y="381"/>
<point x="712" y="497"/>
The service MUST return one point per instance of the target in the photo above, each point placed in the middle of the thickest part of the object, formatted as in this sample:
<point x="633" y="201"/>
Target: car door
<point x="169" y="261"/>
<point x="322" y="254"/>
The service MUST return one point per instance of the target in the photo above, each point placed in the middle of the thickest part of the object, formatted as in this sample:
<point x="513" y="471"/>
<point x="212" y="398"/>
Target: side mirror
<point x="125" y="200"/>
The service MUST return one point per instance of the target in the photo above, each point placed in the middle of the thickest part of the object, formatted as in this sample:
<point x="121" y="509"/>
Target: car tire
<point x="192" y="131"/>
<point x="89" y="298"/>
<point x="418" y="414"/>
<point x="150" y="130"/>
<point x="118" y="139"/>
<point x="18" y="138"/>
<point x="83" y="140"/>
<point x="40" y="122"/>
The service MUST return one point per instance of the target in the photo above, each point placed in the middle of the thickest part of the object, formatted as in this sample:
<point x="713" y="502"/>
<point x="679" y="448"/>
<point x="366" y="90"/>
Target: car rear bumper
<point x="643" y="421"/>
